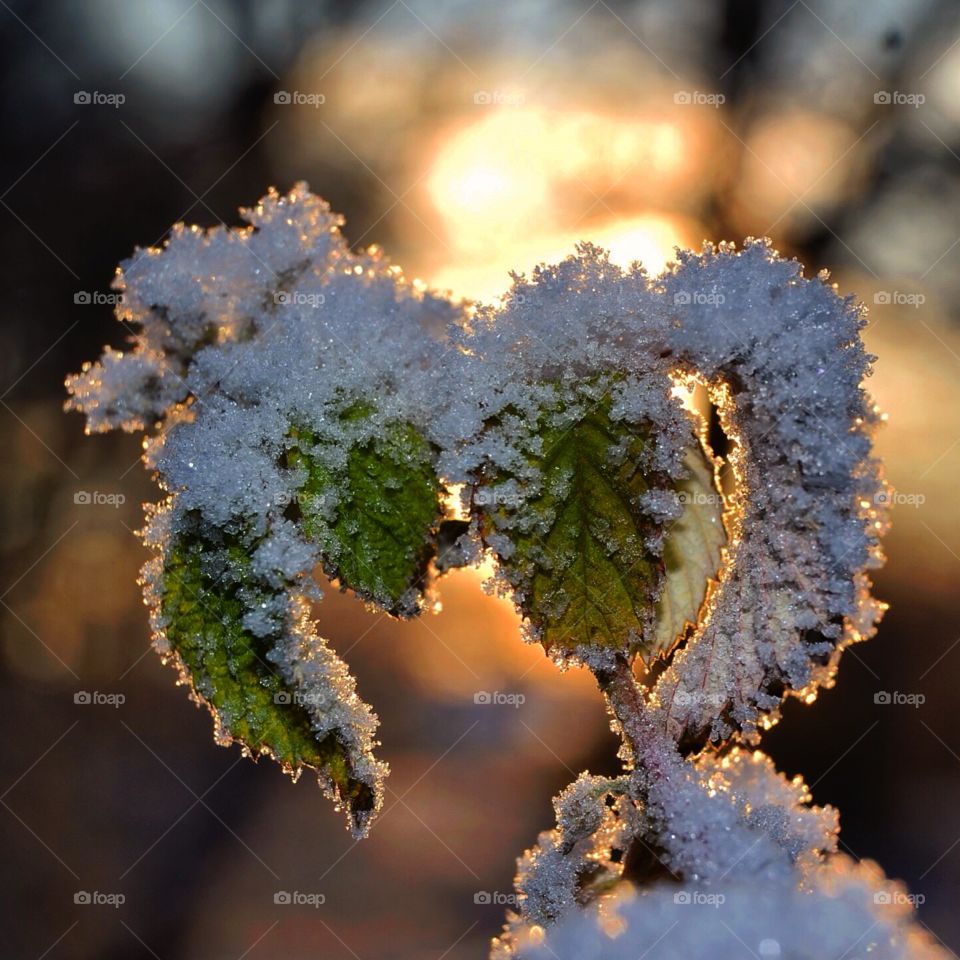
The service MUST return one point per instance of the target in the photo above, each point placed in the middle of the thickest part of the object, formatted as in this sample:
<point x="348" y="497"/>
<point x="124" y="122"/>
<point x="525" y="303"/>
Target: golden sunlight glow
<point x="514" y="164"/>
<point x="650" y="239"/>
<point x="523" y="186"/>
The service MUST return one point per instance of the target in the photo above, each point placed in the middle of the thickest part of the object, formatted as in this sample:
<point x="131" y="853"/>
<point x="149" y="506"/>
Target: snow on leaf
<point x="554" y="408"/>
<point x="571" y="534"/>
<point x="783" y="360"/>
<point x="233" y="671"/>
<point x="584" y="855"/>
<point x="375" y="518"/>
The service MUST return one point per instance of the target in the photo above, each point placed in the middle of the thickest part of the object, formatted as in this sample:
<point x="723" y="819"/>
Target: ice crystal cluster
<point x="306" y="407"/>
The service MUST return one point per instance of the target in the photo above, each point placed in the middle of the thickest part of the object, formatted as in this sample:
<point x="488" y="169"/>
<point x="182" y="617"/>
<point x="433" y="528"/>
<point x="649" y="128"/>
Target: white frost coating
<point x="242" y="335"/>
<point x="245" y="332"/>
<point x="596" y="823"/>
<point x="513" y="441"/>
<point x="783" y="358"/>
<point x="842" y="909"/>
<point x="324" y="686"/>
<point x="728" y="818"/>
<point x="315" y="677"/>
<point x="731" y="818"/>
<point x="734" y="852"/>
<point x="789" y="355"/>
<point x="239" y="335"/>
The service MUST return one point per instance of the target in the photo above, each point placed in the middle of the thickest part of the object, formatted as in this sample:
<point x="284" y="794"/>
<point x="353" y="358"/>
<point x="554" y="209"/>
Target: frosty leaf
<point x="202" y="289"/>
<point x="576" y="545"/>
<point x="584" y="855"/>
<point x="374" y="517"/>
<point x="691" y="551"/>
<point x="230" y="670"/>
<point x="554" y="408"/>
<point x="783" y="359"/>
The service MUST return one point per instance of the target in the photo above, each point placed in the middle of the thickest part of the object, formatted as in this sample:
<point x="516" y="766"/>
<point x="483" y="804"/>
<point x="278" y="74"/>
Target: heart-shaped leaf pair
<point x="313" y="407"/>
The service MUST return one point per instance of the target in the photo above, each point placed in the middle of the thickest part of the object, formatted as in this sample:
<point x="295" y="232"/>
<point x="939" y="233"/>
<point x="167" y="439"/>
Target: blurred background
<point x="469" y="139"/>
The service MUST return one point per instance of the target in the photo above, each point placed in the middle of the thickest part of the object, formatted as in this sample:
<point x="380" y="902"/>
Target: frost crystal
<point x="724" y="850"/>
<point x="284" y="376"/>
<point x="782" y="358"/>
<point x="307" y="406"/>
<point x="843" y="909"/>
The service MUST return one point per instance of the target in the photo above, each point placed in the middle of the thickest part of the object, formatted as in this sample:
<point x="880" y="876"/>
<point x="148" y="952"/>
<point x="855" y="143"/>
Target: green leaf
<point x="229" y="670"/>
<point x="375" y="518"/>
<point x="583" y="575"/>
<point x="692" y="553"/>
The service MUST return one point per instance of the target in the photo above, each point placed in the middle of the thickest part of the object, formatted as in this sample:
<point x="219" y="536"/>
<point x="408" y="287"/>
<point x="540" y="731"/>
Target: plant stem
<point x="637" y="727"/>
